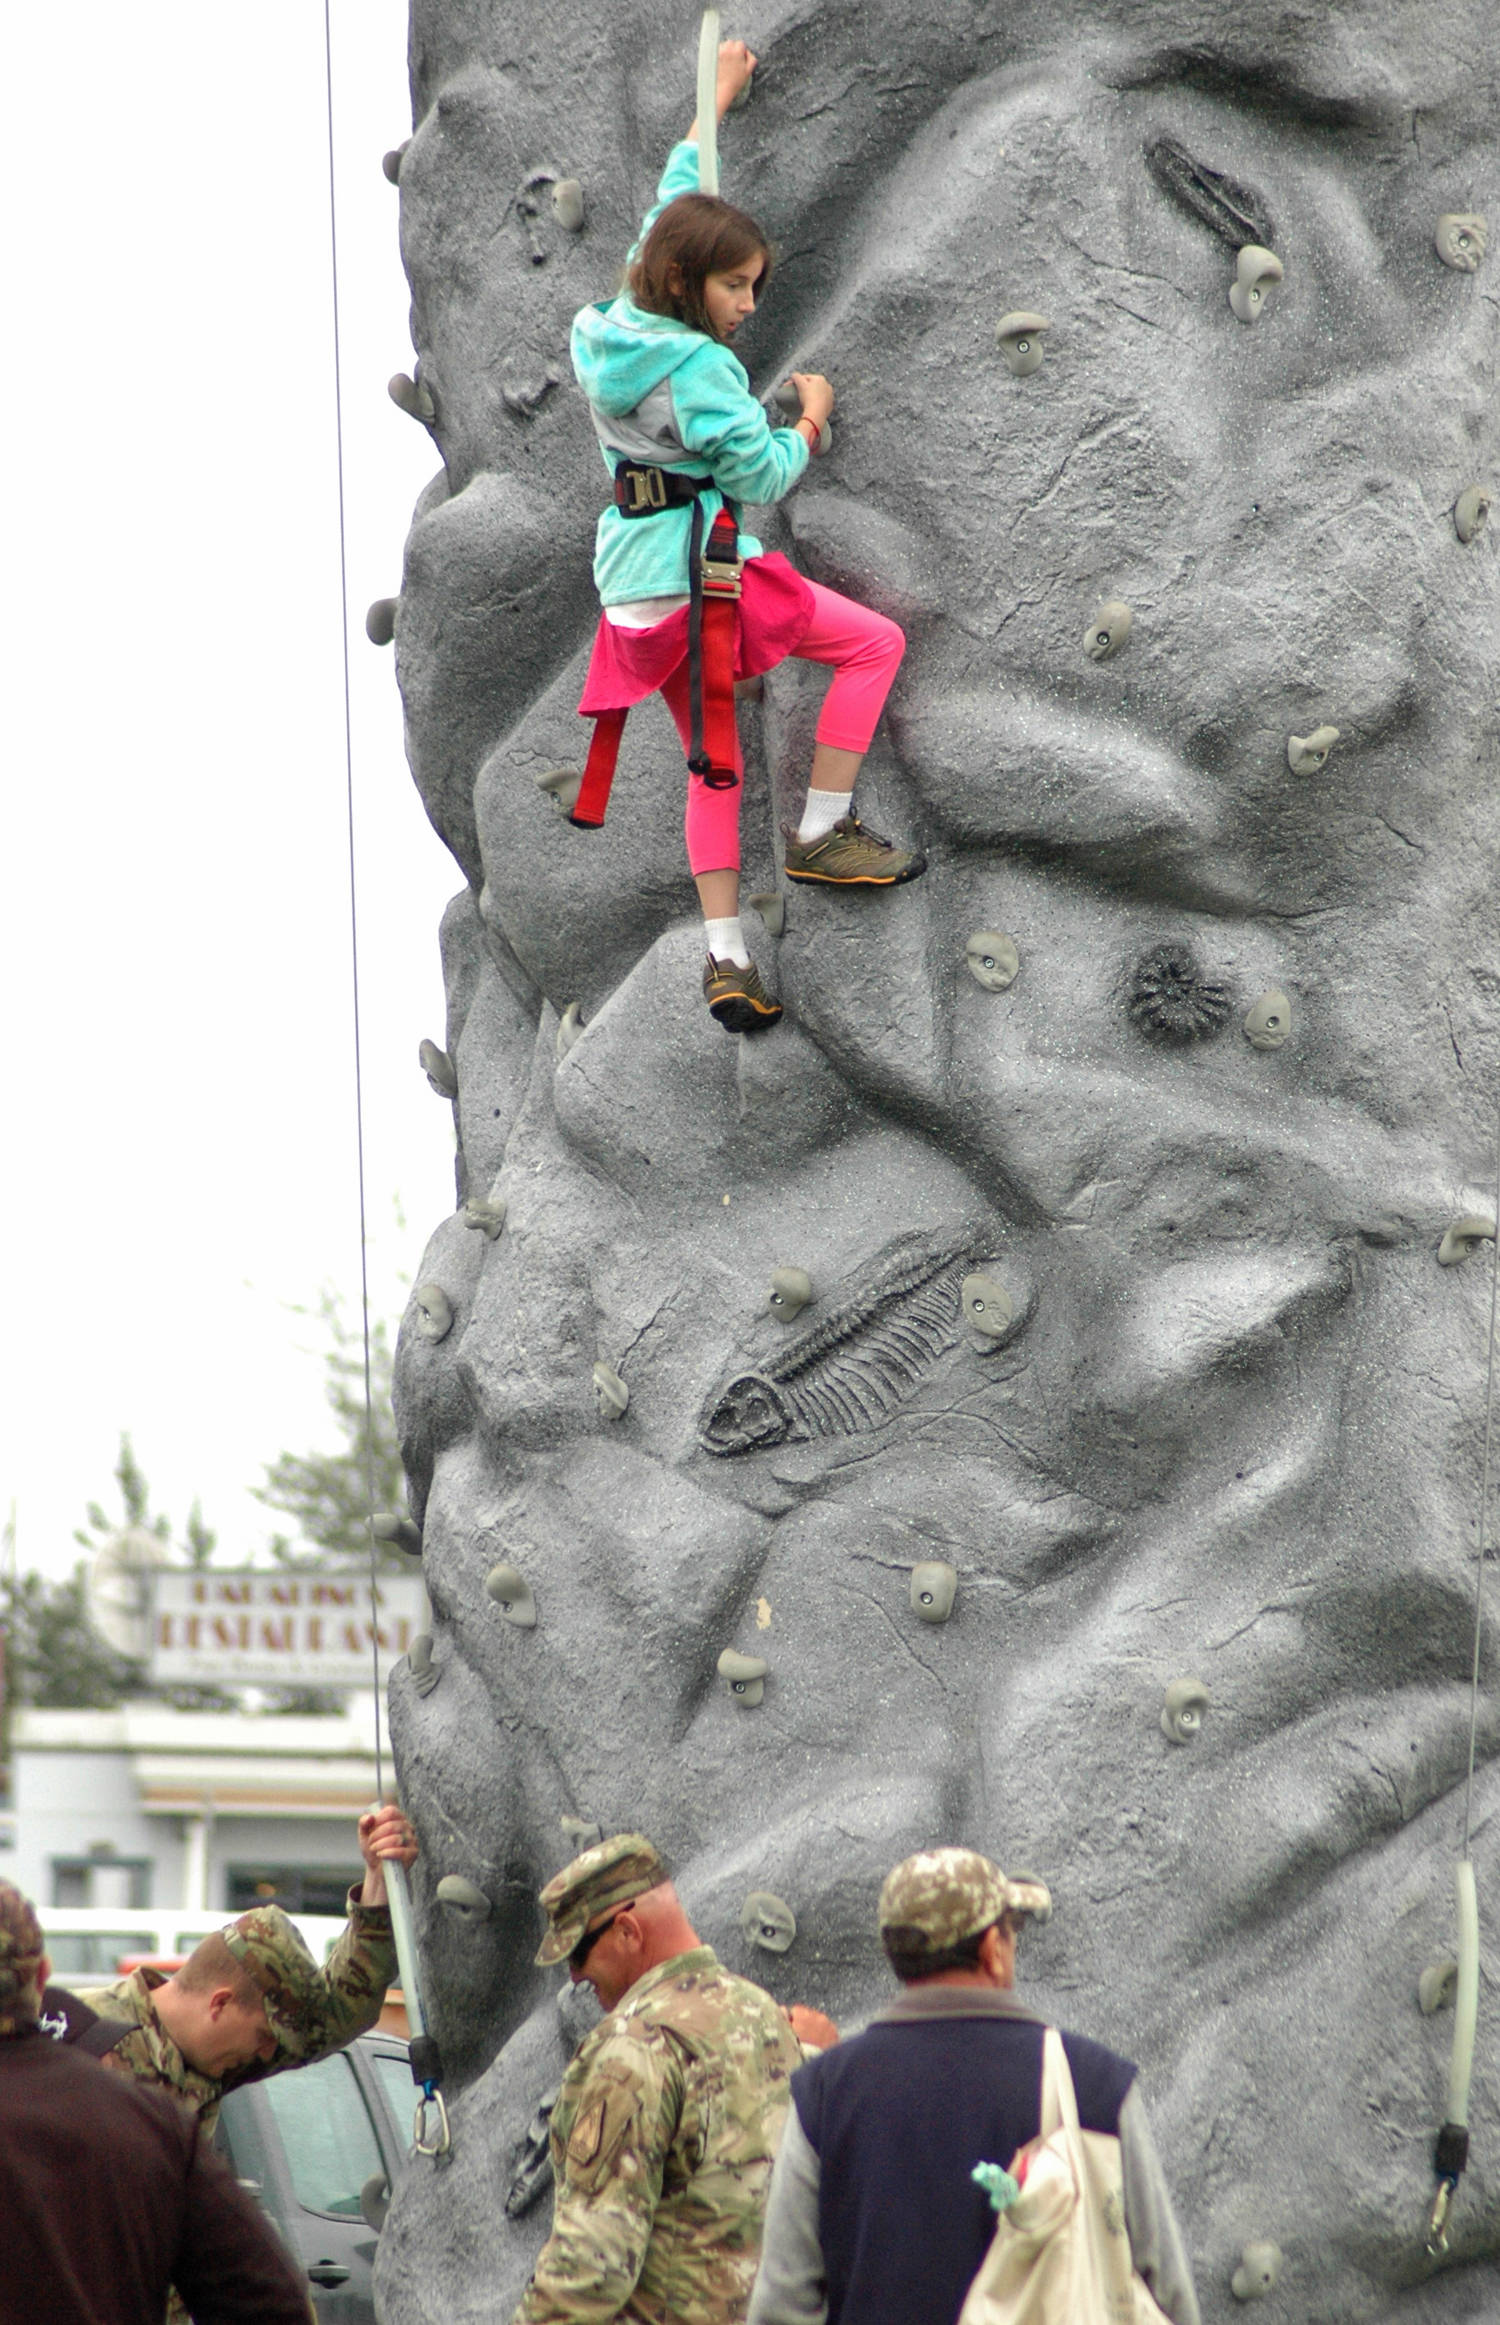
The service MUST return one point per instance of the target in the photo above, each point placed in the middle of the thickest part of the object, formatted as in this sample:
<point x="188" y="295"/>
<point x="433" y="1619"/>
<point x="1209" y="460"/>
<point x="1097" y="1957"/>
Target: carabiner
<point x="431" y="2097"/>
<point x="1437" y="2219"/>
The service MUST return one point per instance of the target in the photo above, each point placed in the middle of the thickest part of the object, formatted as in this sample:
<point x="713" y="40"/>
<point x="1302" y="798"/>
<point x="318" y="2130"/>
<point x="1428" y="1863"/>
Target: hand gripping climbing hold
<point x="1305" y="753"/>
<point x="791" y="1289"/>
<point x="991" y="959"/>
<point x="768" y="1921"/>
<point x="1471" y="511"/>
<point x="411" y="397"/>
<point x="380" y="619"/>
<point x="393" y="1526"/>
<point x="434" y="1312"/>
<point x="1463" y="1238"/>
<point x="1437" y="1986"/>
<point x="1260" y="2266"/>
<point x="987" y="1306"/>
<point x="1268" y="1021"/>
<point x="934" y="1586"/>
<point x="512" y="1594"/>
<point x="610" y="1392"/>
<point x="438" y="1067"/>
<point x="1182" y="1711"/>
<point x="746" y="1675"/>
<point x="486" y="1214"/>
<point x="1019" y="339"/>
<point x="1257" y="271"/>
<point x="789" y="403"/>
<point x="1108" y="627"/>
<point x="567" y="205"/>
<point x="423" y="1672"/>
<point x="463" y="1900"/>
<point x="1460" y="240"/>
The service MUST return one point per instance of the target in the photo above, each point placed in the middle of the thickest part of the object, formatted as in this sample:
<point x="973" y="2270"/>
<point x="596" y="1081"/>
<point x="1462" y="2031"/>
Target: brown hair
<point x="210" y="1965"/>
<point x="698" y="235"/>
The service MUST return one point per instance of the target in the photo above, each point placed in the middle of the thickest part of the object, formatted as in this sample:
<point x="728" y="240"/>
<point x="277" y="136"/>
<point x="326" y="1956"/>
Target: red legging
<point x="864" y="648"/>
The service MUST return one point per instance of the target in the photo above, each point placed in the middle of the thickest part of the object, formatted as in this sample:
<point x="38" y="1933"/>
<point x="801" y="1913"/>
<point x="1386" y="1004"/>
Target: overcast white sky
<point x="178" y="1153"/>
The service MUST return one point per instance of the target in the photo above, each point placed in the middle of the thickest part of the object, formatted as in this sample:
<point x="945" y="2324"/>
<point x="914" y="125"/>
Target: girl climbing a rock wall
<point x="683" y="436"/>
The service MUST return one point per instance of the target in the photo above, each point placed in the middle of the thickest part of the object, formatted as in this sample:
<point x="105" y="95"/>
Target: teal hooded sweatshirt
<point x="707" y="420"/>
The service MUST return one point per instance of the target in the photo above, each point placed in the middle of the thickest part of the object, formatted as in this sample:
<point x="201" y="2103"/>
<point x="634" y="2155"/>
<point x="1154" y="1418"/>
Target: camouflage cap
<point x="942" y="1896"/>
<point x="21" y="1949"/>
<point x="269" y="1945"/>
<point x="607" y="1875"/>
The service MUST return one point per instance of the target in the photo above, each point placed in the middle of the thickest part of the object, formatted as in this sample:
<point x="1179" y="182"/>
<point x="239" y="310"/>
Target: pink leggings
<point x="864" y="648"/>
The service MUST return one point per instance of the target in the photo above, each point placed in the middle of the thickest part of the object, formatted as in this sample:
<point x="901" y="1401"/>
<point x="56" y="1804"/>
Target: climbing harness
<point x="1451" y="2149"/>
<point x="426" y="2061"/>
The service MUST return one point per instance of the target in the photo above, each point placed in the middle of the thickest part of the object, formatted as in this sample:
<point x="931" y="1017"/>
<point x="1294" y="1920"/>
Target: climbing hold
<point x="1471" y="511"/>
<point x="567" y="204"/>
<point x="569" y="1031"/>
<point x="791" y="1289"/>
<point x="438" y="1067"/>
<point x="1305" y="753"/>
<point x="434" y="1312"/>
<point x="1260" y="2266"/>
<point x="1171" y="1000"/>
<point x="987" y="1305"/>
<point x="1182" y="1710"/>
<point x="380" y="618"/>
<point x="585" y="1832"/>
<point x="1463" y="1238"/>
<point x="375" y="2200"/>
<point x="934" y="1585"/>
<point x="488" y="1214"/>
<point x="562" y="786"/>
<point x="1268" y="1021"/>
<point x="768" y="1921"/>
<point x="411" y="397"/>
<point x="772" y="910"/>
<point x="391" y="162"/>
<point x="610" y="1393"/>
<point x="746" y="1675"/>
<point x="1019" y="339"/>
<point x="393" y="1526"/>
<point x="789" y="403"/>
<point x="462" y="1899"/>
<point x="1437" y="1986"/>
<point x="424" y="1672"/>
<point x="511" y="1592"/>
<point x="991" y="959"/>
<point x="1257" y="271"/>
<point x="1460" y="239"/>
<point x="1109" y="625"/>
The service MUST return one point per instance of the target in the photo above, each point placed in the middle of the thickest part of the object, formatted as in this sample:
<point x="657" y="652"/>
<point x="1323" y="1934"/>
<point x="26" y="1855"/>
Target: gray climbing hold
<point x="438" y="1067"/>
<point x="772" y="910"/>
<point x="562" y="786"/>
<point x="1460" y="240"/>
<point x="991" y="959"/>
<point x="1019" y="339"/>
<point x="610" y="1393"/>
<point x="570" y="1030"/>
<point x="1268" y="1021"/>
<point x="434" y="1312"/>
<point x="1171" y="999"/>
<point x="1182" y="1710"/>
<point x="1109" y="625"/>
<point x="746" y="1675"/>
<point x="463" y="1900"/>
<point x="768" y="1921"/>
<point x="391" y="162"/>
<point x="1437" y="1986"/>
<point x="581" y="1832"/>
<point x="1471" y="511"/>
<point x="394" y="1526"/>
<point x="1305" y="753"/>
<point x="1257" y="271"/>
<point x="423" y="1671"/>
<point x="791" y="1289"/>
<point x="380" y="619"/>
<point x="934" y="1586"/>
<point x="567" y="204"/>
<point x="485" y="1213"/>
<point x="987" y="1306"/>
<point x="375" y="2200"/>
<point x="410" y="396"/>
<point x="512" y="1594"/>
<point x="789" y="403"/>
<point x="1260" y="2266"/>
<point x="1463" y="1238"/>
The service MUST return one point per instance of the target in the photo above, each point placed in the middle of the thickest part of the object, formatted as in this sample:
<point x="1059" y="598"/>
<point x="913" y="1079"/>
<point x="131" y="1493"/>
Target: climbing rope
<point x="708" y="110"/>
<point x="429" y="2138"/>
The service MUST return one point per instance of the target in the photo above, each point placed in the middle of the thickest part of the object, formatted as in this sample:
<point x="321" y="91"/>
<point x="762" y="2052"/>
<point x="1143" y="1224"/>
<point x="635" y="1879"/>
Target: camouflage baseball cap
<point x="270" y="1947"/>
<point x="21" y="1948"/>
<point x="607" y="1875"/>
<point x="942" y="1896"/>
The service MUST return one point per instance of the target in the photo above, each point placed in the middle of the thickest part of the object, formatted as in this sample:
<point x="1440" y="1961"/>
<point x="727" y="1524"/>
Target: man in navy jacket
<point x="874" y="2217"/>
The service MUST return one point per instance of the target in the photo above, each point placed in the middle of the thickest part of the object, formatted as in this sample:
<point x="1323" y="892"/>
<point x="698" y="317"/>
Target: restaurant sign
<point x="278" y="1629"/>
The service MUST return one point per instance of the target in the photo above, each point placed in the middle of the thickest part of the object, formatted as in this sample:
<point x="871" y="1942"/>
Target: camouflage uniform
<point x="664" y="2131"/>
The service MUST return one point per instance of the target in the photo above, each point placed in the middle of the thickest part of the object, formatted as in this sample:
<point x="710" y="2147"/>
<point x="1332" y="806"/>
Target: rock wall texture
<point x="1231" y="1430"/>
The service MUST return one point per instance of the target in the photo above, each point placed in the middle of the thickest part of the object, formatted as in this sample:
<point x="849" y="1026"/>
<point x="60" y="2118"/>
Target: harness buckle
<point x="721" y="577"/>
<point x="648" y="490"/>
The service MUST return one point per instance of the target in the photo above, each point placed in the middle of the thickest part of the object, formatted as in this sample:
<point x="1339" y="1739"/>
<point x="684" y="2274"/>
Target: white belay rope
<point x="708" y="111"/>
<point x="426" y="2062"/>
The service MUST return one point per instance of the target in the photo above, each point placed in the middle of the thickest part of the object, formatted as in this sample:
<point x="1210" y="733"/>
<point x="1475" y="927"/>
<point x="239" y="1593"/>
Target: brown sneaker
<point x="851" y="857"/>
<point x="737" y="997"/>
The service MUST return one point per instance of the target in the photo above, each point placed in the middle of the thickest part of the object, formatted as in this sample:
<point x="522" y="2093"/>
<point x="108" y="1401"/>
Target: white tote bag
<point x="1060" y="2253"/>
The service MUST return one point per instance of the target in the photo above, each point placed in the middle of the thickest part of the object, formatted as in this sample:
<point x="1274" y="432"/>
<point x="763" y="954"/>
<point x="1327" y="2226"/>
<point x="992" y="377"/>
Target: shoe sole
<point x="913" y="871"/>
<point x="737" y="1014"/>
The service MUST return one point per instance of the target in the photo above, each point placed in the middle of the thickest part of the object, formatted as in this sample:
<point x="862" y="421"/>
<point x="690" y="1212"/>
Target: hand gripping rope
<point x="426" y="2061"/>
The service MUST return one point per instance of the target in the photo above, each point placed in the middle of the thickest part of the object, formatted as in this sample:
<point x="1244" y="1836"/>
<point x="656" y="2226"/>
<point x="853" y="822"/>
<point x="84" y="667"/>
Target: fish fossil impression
<point x="856" y="1365"/>
<point x="1236" y="212"/>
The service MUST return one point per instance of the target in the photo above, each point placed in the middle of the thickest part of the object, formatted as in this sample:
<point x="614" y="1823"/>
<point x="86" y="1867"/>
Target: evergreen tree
<point x="331" y="1495"/>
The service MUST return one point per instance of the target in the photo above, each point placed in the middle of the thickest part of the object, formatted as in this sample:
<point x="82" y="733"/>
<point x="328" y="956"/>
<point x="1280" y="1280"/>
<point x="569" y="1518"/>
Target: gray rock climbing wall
<point x="1230" y="1429"/>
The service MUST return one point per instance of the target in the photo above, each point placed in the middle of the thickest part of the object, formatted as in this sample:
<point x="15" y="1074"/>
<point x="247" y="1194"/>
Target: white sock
<point x="726" y="941"/>
<point x="822" y="812"/>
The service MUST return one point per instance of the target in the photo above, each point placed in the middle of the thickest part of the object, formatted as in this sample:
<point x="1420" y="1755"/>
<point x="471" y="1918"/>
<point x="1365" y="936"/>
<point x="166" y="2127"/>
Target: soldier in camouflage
<point x="668" y="2120"/>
